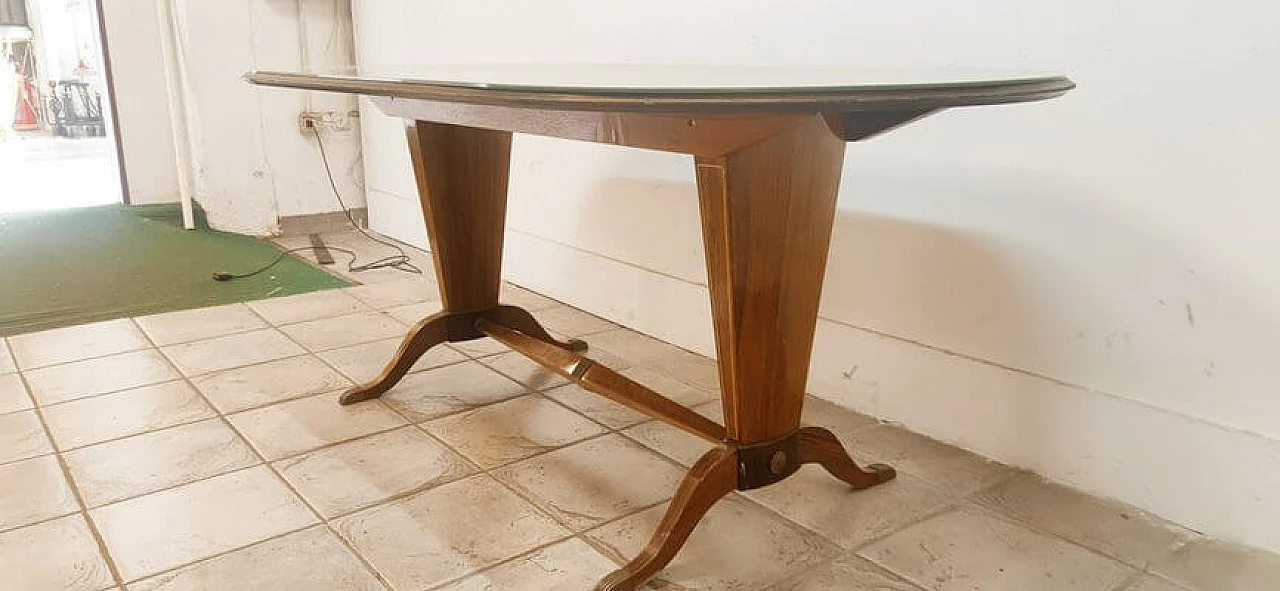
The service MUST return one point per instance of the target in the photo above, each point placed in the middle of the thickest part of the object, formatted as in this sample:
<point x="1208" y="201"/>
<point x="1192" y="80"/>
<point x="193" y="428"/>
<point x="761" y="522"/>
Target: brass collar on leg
<point x="767" y="463"/>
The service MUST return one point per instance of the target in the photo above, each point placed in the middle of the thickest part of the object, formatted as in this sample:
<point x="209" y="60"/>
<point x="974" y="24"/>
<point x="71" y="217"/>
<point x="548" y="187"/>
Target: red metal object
<point x="26" y="118"/>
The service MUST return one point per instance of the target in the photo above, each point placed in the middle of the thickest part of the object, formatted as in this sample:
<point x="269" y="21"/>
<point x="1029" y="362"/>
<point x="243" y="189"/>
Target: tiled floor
<point x="205" y="450"/>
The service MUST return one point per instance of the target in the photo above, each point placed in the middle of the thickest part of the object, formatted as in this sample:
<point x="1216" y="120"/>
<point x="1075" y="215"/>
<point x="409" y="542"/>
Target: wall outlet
<point x="308" y="121"/>
<point x="323" y="120"/>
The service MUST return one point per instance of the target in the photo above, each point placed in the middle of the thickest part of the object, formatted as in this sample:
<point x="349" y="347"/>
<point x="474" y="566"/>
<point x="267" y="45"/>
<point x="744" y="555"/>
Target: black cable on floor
<point x="399" y="261"/>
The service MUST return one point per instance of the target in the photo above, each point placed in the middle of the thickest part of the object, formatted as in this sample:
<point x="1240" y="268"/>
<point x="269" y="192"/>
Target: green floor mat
<point x="74" y="266"/>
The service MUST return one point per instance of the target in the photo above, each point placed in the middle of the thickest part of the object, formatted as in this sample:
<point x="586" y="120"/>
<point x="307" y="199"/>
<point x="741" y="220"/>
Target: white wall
<point x="1084" y="287"/>
<point x="251" y="165"/>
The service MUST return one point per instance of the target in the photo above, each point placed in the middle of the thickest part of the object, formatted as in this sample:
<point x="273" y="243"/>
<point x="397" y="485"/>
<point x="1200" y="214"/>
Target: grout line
<point x="177" y="484"/>
<point x="168" y="380"/>
<point x="500" y="563"/>
<point x="70" y="482"/>
<point x="1034" y="527"/>
<point x="41" y="455"/>
<point x="77" y="360"/>
<point x="222" y="553"/>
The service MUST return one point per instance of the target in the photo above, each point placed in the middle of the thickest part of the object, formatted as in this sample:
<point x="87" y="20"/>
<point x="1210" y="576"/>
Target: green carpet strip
<point x="62" y="268"/>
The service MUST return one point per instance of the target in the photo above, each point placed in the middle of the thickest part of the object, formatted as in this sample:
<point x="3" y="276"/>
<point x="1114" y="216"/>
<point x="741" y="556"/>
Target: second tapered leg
<point x="462" y="185"/>
<point x="767" y="213"/>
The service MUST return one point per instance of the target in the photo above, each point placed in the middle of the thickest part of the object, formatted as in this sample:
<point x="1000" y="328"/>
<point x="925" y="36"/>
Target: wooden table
<point x="768" y="147"/>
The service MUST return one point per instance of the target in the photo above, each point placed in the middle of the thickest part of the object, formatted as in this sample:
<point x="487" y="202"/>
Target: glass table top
<point x="679" y="87"/>
<point x="664" y="79"/>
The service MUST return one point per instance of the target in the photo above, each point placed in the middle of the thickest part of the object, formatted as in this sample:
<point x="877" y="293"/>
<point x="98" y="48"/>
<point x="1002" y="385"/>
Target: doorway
<point x="58" y="142"/>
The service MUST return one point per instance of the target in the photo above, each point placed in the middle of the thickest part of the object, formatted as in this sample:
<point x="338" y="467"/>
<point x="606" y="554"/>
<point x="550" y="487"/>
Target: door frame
<point x="109" y="76"/>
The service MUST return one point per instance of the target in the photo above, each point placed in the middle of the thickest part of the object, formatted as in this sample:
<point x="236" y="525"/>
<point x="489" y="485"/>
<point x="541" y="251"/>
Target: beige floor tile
<point x="397" y="293"/>
<point x="572" y="321"/>
<point x="91" y="377"/>
<point x="6" y="360"/>
<point x="1209" y="565"/>
<point x="74" y="343"/>
<point x="568" y="565"/>
<point x="665" y="384"/>
<point x="342" y="331"/>
<point x="22" y="436"/>
<point x="1153" y="583"/>
<point x="1121" y="532"/>
<point x="690" y="368"/>
<point x="349" y="476"/>
<point x="267" y="383"/>
<point x="410" y="314"/>
<point x="92" y="420"/>
<point x="308" y="306"/>
<point x="364" y="362"/>
<point x="134" y="466"/>
<point x="33" y="490"/>
<point x="737" y="546"/>
<point x="972" y="549"/>
<point x="846" y="573"/>
<point x="518" y="296"/>
<point x="588" y="483"/>
<point x="226" y="352"/>
<point x="521" y="369"/>
<point x="955" y="470"/>
<point x="198" y="324"/>
<point x="632" y="346"/>
<point x="442" y="391"/>
<point x="58" y="555"/>
<point x="815" y="499"/>
<point x="310" y="560"/>
<point x="840" y="420"/>
<point x="501" y="433"/>
<point x="292" y="427"/>
<point x="13" y="394"/>
<point x="446" y="532"/>
<point x="596" y="407"/>
<point x="480" y="347"/>
<point x="672" y="442"/>
<point x="170" y="528"/>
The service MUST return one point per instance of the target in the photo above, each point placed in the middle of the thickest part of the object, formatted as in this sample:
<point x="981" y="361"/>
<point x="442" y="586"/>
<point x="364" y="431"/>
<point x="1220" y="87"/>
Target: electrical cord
<point x="399" y="261"/>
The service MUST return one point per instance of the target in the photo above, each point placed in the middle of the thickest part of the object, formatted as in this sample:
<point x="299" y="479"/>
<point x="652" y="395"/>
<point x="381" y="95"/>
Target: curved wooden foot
<point x="427" y="333"/>
<point x="817" y="445"/>
<point x="521" y="320"/>
<point x="714" y="476"/>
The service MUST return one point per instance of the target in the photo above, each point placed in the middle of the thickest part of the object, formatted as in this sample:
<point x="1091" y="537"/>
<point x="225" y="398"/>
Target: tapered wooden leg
<point x="820" y="446"/>
<point x="462" y="184"/>
<point x="427" y="333"/>
<point x="714" y="476"/>
<point x="767" y="212"/>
